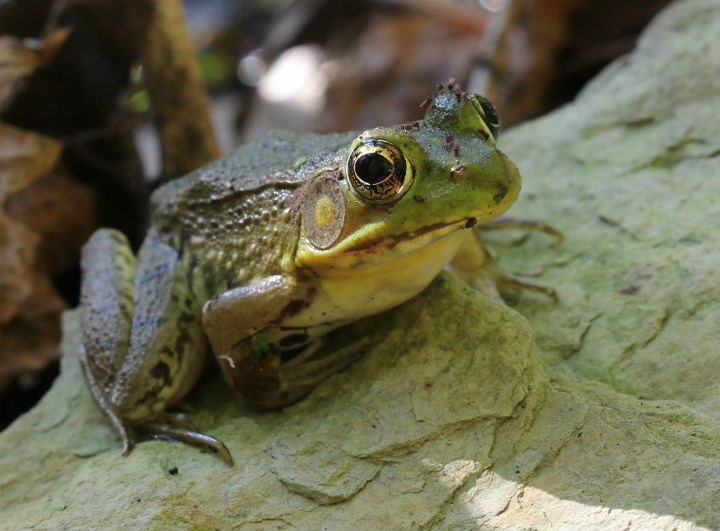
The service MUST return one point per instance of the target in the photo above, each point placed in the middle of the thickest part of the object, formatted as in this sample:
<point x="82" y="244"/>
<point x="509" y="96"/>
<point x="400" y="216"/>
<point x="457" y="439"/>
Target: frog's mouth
<point x="407" y="242"/>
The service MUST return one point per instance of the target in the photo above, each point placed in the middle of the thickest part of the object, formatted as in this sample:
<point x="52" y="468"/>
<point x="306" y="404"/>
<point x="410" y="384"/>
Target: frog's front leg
<point x="143" y="344"/>
<point x="269" y="364"/>
<point x="476" y="267"/>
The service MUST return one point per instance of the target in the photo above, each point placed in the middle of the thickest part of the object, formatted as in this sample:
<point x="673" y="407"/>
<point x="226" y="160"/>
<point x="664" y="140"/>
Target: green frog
<point x="257" y="256"/>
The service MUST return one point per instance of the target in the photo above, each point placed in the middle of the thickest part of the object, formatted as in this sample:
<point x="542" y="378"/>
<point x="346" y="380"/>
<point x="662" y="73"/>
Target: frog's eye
<point x="378" y="171"/>
<point x="490" y="118"/>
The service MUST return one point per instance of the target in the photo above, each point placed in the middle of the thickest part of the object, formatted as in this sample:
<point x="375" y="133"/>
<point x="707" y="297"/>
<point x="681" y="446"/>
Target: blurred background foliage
<point x="100" y="101"/>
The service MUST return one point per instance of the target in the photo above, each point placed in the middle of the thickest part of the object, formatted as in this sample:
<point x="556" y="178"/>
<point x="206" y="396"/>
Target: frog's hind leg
<point x="106" y="306"/>
<point x="143" y="346"/>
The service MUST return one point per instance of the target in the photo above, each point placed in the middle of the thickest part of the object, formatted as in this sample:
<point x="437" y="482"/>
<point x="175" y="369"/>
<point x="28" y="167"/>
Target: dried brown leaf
<point x="20" y="57"/>
<point x="24" y="156"/>
<point x="17" y="256"/>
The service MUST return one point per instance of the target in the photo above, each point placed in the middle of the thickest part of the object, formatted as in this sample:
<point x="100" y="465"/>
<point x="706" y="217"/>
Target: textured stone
<point x="630" y="173"/>
<point x="452" y="420"/>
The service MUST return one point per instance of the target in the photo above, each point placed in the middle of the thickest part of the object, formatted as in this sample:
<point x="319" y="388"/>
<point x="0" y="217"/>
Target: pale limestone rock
<point x="451" y="421"/>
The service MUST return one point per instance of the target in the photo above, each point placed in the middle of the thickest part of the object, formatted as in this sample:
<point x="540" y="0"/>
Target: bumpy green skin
<point x="232" y="256"/>
<point x="232" y="218"/>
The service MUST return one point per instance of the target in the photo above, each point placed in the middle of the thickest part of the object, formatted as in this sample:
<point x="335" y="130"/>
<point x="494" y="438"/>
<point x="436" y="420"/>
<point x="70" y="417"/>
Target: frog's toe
<point x="509" y="281"/>
<point x="526" y="224"/>
<point x="310" y="372"/>
<point x="184" y="431"/>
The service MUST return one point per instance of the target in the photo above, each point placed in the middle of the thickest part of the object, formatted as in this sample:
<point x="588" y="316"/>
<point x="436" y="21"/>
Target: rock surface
<point x="452" y="420"/>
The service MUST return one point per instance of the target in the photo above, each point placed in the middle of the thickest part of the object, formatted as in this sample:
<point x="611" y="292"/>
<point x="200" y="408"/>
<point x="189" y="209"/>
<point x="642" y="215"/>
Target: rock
<point x="629" y="173"/>
<point x="452" y="420"/>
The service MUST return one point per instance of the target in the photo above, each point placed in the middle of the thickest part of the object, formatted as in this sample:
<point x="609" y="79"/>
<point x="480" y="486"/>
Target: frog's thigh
<point x="144" y="353"/>
<point x="106" y="307"/>
<point x="241" y="312"/>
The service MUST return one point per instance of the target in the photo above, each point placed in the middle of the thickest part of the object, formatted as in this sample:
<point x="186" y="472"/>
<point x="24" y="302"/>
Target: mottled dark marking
<point x="293" y="340"/>
<point x="161" y="371"/>
<point x="167" y="351"/>
<point x="182" y="340"/>
<point x="470" y="223"/>
<point x="501" y="194"/>
<point x="186" y="318"/>
<point x="149" y="396"/>
<point x="294" y="307"/>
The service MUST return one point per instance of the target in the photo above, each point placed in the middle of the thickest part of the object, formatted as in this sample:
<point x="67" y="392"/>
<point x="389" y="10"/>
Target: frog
<point x="259" y="255"/>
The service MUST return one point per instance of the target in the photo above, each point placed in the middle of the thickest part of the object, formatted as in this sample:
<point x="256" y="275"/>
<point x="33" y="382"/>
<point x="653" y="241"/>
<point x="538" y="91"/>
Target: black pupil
<point x="373" y="168"/>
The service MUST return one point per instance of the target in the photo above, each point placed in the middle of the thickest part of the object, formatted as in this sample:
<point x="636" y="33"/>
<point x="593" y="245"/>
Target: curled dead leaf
<point x="20" y="57"/>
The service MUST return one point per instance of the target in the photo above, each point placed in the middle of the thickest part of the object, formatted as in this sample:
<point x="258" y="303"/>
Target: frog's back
<point x="231" y="218"/>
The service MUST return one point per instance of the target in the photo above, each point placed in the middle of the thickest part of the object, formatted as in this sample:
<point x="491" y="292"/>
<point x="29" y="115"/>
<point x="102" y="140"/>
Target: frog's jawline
<point x="388" y="243"/>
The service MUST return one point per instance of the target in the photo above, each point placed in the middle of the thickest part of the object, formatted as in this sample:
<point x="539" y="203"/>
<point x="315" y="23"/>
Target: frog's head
<point x="400" y="189"/>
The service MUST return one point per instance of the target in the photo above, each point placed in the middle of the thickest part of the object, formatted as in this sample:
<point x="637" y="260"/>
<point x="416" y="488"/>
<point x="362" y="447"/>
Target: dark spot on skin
<point x="161" y="371"/>
<point x="149" y="396"/>
<point x="292" y="340"/>
<point x="501" y="194"/>
<point x="294" y="307"/>
<point x="127" y="316"/>
<point x="470" y="223"/>
<point x="191" y="267"/>
<point x="186" y="318"/>
<point x="418" y="199"/>
<point x="182" y="340"/>
<point x="173" y="471"/>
